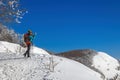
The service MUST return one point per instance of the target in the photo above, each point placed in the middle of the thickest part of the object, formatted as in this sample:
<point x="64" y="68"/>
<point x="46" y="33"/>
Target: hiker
<point x="28" y="38"/>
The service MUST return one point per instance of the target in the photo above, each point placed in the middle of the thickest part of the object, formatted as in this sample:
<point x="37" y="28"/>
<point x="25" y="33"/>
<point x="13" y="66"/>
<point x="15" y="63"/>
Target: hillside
<point x="41" y="66"/>
<point x="100" y="62"/>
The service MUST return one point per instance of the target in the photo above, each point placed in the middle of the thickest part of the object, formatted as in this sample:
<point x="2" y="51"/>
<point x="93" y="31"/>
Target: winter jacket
<point x="31" y="37"/>
<point x="28" y="39"/>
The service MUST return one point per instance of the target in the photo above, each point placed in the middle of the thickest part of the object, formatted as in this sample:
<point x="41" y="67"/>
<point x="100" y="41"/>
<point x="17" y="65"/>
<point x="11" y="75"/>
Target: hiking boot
<point x="28" y="56"/>
<point x="24" y="55"/>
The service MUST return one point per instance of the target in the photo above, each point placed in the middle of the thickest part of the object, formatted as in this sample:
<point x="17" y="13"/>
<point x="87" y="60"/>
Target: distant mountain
<point x="100" y="62"/>
<point x="84" y="56"/>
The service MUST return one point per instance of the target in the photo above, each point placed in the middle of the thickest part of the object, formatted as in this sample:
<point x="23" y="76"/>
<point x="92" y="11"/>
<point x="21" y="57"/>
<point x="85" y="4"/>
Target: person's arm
<point x="31" y="38"/>
<point x="34" y="35"/>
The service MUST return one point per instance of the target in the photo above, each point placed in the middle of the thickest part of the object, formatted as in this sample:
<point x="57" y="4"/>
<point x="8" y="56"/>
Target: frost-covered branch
<point x="11" y="11"/>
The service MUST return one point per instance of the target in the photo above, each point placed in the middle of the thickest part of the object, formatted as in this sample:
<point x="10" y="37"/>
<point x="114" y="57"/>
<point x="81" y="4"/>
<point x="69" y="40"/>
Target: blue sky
<point x="64" y="25"/>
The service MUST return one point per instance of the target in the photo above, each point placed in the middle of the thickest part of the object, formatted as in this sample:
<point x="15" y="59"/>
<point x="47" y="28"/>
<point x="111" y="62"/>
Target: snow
<point x="37" y="50"/>
<point x="6" y="47"/>
<point x="106" y="64"/>
<point x="41" y="66"/>
<point x="67" y="69"/>
<point x="19" y="68"/>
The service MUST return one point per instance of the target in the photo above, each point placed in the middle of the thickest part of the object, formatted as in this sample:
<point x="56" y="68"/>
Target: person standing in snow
<point x="28" y="39"/>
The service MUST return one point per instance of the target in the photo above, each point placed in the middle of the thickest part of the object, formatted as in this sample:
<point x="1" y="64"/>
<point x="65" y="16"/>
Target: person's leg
<point x="28" y="51"/>
<point x="25" y="53"/>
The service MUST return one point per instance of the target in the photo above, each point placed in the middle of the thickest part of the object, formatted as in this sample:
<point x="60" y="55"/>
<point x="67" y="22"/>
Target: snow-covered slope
<point x="6" y="47"/>
<point x="100" y="62"/>
<point x="108" y="65"/>
<point x="67" y="69"/>
<point x="41" y="66"/>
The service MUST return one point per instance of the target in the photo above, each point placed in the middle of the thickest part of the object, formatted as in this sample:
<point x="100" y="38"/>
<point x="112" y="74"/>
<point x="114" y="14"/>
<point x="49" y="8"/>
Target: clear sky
<point x="64" y="25"/>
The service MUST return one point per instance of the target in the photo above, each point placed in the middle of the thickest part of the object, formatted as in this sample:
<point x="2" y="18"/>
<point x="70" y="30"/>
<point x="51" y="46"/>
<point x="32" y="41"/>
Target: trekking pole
<point x="32" y="46"/>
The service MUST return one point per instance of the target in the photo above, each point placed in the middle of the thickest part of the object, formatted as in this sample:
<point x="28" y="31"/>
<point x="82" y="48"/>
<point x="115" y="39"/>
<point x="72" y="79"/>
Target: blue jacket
<point x="31" y="37"/>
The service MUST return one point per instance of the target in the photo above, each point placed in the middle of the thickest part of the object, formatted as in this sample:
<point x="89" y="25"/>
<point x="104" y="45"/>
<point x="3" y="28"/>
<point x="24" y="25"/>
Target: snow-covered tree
<point x="11" y="11"/>
<point x="9" y="35"/>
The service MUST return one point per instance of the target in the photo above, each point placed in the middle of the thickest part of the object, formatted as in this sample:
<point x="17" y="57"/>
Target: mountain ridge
<point x="90" y="58"/>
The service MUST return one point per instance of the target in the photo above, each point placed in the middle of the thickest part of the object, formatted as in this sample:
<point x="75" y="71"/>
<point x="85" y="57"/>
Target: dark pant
<point x="28" y="51"/>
